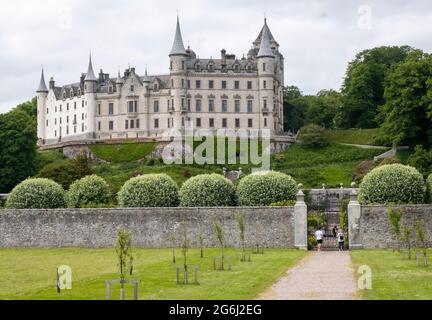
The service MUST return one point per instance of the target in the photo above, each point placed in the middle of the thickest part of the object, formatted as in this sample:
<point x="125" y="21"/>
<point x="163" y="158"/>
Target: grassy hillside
<point x="125" y="152"/>
<point x="353" y="136"/>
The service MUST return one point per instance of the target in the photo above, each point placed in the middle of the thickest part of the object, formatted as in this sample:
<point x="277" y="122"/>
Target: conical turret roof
<point x="265" y="49"/>
<point x="90" y="76"/>
<point x="178" y="46"/>
<point x="42" y="86"/>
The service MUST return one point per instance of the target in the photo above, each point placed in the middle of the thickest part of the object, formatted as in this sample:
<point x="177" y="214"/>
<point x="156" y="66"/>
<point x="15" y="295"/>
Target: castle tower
<point x="178" y="57"/>
<point x="42" y="94"/>
<point x="266" y="71"/>
<point x="90" y="87"/>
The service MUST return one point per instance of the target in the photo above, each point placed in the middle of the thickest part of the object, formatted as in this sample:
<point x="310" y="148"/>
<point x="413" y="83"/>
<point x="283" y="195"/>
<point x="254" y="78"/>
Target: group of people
<point x="336" y="232"/>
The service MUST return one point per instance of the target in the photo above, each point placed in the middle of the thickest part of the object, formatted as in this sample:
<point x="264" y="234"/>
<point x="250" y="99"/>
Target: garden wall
<point x="375" y="230"/>
<point x="152" y="227"/>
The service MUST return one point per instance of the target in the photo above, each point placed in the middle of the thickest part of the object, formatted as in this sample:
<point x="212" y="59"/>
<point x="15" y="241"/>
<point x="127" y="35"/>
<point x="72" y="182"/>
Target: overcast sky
<point x="317" y="37"/>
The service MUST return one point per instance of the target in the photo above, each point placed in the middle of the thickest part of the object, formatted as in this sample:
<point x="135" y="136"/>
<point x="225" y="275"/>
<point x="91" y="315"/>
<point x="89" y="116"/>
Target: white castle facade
<point x="214" y="94"/>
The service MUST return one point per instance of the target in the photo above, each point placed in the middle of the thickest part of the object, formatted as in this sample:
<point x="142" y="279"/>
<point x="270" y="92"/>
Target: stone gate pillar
<point x="300" y="222"/>
<point x="354" y="212"/>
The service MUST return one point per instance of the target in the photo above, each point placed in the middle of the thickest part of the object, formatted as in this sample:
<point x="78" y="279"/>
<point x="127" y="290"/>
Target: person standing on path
<point x="319" y="237"/>
<point x="341" y="240"/>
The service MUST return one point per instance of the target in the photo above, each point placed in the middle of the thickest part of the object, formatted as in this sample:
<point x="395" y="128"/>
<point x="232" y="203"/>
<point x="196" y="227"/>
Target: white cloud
<point x="317" y="38"/>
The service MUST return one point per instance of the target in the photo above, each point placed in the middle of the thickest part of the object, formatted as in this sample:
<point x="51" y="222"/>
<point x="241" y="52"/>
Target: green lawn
<point x="393" y="277"/>
<point x="30" y="274"/>
<point x="125" y="152"/>
<point x="353" y="136"/>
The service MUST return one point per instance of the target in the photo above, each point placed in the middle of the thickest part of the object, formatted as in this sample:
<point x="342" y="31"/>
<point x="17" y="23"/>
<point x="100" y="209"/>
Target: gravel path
<point x="326" y="275"/>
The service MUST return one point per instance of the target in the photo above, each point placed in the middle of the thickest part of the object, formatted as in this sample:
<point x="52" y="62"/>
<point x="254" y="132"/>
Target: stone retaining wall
<point x="151" y="227"/>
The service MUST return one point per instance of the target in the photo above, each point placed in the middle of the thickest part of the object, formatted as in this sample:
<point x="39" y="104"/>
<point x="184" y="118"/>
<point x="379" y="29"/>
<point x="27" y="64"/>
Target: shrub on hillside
<point x="395" y="183"/>
<point x="207" y="190"/>
<point x="66" y="172"/>
<point x="361" y="170"/>
<point x="429" y="187"/>
<point x="36" y="194"/>
<point x="391" y="160"/>
<point x="313" y="136"/>
<point x="90" y="190"/>
<point x="421" y="159"/>
<point x="150" y="190"/>
<point x="265" y="188"/>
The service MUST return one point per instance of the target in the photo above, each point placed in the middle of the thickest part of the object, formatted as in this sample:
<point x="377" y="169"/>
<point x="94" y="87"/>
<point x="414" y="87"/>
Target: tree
<point x="124" y="256"/>
<point x="294" y="108"/>
<point x="220" y="237"/>
<point x="241" y="229"/>
<point x="313" y="136"/>
<point x="363" y="86"/>
<point x="421" y="159"/>
<point x="407" y="112"/>
<point x="395" y="216"/>
<point x="29" y="107"/>
<point x="17" y="148"/>
<point x="322" y="108"/>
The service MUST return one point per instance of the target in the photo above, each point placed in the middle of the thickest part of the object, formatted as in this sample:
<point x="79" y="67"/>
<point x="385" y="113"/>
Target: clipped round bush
<point x="36" y="194"/>
<point x="265" y="188"/>
<point x="150" y="190"/>
<point x="87" y="191"/>
<point x="207" y="190"/>
<point x="393" y="183"/>
<point x="429" y="187"/>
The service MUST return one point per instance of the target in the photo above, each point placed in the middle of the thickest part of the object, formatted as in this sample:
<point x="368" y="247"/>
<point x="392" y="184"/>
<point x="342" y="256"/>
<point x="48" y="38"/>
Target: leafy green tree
<point x="313" y="136"/>
<point x="124" y="256"/>
<point x="294" y="108"/>
<point x="421" y="159"/>
<point x="17" y="148"/>
<point x="363" y="86"/>
<point x="322" y="108"/>
<point x="407" y="113"/>
<point x="29" y="107"/>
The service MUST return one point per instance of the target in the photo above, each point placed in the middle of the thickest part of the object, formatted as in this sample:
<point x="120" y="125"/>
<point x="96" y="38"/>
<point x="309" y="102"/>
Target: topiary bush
<point x="207" y="190"/>
<point x="150" y="190"/>
<point x="87" y="191"/>
<point x="265" y="188"/>
<point x="36" y="194"/>
<point x="394" y="183"/>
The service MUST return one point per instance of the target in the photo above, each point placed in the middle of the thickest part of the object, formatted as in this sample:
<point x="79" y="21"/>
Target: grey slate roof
<point x="257" y="42"/>
<point x="90" y="73"/>
<point x="42" y="86"/>
<point x="265" y="49"/>
<point x="178" y="46"/>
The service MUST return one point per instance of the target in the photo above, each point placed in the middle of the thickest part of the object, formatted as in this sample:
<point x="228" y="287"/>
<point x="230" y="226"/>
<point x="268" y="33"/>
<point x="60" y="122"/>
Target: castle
<point x="214" y="94"/>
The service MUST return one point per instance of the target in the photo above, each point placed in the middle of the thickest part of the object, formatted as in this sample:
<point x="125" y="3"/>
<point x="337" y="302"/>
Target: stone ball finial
<point x="353" y="185"/>
<point x="300" y="186"/>
<point x="300" y="196"/>
<point x="323" y="186"/>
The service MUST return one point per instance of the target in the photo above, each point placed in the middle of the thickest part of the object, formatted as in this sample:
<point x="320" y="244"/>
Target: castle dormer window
<point x="198" y="67"/>
<point x="210" y="67"/>
<point x="64" y="95"/>
<point x="79" y="92"/>
<point x="236" y="68"/>
<point x="155" y="87"/>
<point x="110" y="89"/>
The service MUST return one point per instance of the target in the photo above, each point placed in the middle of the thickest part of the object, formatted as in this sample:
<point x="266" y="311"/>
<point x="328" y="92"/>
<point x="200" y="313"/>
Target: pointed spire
<point x="178" y="46"/>
<point x="259" y="38"/>
<point x="42" y="86"/>
<point x="146" y="77"/>
<point x="265" y="49"/>
<point x="119" y="78"/>
<point x="90" y="73"/>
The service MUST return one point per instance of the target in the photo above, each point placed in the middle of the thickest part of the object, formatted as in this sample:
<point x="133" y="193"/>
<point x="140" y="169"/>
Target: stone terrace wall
<point x="374" y="226"/>
<point x="94" y="228"/>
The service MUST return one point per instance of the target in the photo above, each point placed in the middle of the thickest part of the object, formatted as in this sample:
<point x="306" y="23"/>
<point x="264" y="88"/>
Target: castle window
<point x="111" y="108"/>
<point x="198" y="122"/>
<point x="210" y="67"/>
<point x="67" y="119"/>
<point x="250" y="123"/>
<point x="236" y="85"/>
<point x="182" y="83"/>
<point x="249" y="68"/>
<point x="211" y="84"/>
<point x="264" y="67"/>
<point x="156" y="123"/>
<point x="60" y="120"/>
<point x="249" y="85"/>
<point x="237" y="68"/>
<point x="265" y="103"/>
<point x="155" y="87"/>
<point x="82" y="103"/>
<point x="171" y="65"/>
<point x="132" y="88"/>
<point x="224" y="84"/>
<point x="55" y="121"/>
<point x="188" y="84"/>
<point x="137" y="123"/>
<point x="264" y="84"/>
<point x="133" y="106"/>
<point x="82" y="127"/>
<point x="99" y="109"/>
<point x="64" y="95"/>
<point x="211" y="105"/>
<point x="75" y="129"/>
<point x="110" y="89"/>
<point x="99" y="126"/>
<point x="237" y="106"/>
<point x="111" y="125"/>
<point x="237" y="123"/>
<point x="55" y="110"/>
<point x="211" y="123"/>
<point x="156" y="106"/>
<point x="224" y="106"/>
<point x="126" y="124"/>
<point x="67" y="106"/>
<point x="67" y="129"/>
<point x="79" y="92"/>
<point x="198" y="67"/>
<point x="250" y="106"/>
<point x="198" y="105"/>
<point x="189" y="104"/>
<point x="265" y="122"/>
<point x="47" y="123"/>
<point x="198" y="84"/>
<point x="55" y="133"/>
<point x="82" y="116"/>
<point x="47" y="110"/>
<point x="169" y="123"/>
<point x="224" y="123"/>
<point x="132" y="124"/>
<point x="183" y="65"/>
